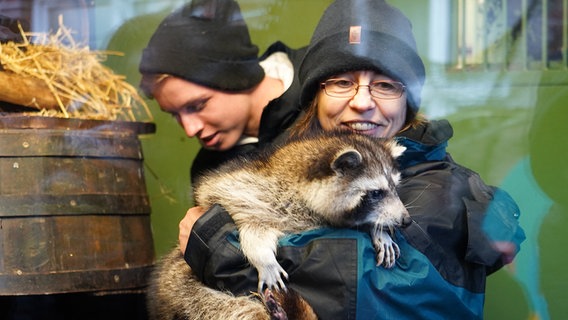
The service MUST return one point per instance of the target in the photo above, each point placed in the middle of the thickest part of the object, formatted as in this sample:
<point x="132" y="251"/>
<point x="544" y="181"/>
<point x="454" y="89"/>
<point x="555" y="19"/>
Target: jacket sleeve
<point x="458" y="217"/>
<point x="492" y="216"/>
<point x="214" y="256"/>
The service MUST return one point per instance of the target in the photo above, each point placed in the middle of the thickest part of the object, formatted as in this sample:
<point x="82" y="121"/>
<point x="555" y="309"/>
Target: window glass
<point x="497" y="69"/>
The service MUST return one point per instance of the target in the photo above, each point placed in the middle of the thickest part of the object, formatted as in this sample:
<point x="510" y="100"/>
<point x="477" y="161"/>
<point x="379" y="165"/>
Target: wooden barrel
<point x="74" y="211"/>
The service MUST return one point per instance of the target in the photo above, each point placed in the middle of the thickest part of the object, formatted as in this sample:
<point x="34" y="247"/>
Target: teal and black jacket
<point x="446" y="252"/>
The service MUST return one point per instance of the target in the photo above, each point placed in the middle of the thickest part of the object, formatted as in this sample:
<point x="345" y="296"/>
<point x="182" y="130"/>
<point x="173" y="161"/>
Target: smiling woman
<point x="384" y="103"/>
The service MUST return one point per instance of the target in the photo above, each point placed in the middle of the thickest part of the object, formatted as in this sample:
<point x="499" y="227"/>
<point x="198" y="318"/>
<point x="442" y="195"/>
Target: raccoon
<point x="337" y="179"/>
<point x="334" y="179"/>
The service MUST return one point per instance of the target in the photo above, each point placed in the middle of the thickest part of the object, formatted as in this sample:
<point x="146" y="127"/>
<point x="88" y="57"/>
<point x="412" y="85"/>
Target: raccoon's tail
<point x="175" y="293"/>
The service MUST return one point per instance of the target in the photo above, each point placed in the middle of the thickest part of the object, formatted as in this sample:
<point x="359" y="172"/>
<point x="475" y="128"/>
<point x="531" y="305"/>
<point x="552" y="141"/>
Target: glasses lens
<point x="386" y="89"/>
<point x="340" y="88"/>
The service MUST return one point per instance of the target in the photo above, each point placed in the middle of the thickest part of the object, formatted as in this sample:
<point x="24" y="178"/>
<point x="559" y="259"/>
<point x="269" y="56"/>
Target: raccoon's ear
<point x="396" y="149"/>
<point x="346" y="159"/>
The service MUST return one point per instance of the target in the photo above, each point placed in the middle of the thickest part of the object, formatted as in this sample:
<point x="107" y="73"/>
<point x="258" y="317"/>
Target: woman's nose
<point x="190" y="123"/>
<point x="362" y="100"/>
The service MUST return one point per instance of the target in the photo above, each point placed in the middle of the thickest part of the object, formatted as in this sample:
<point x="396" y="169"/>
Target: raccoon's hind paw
<point x="287" y="305"/>
<point x="387" y="249"/>
<point x="272" y="276"/>
<point x="273" y="306"/>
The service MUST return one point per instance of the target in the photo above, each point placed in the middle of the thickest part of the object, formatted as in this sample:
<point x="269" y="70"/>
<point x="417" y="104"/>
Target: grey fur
<point x="175" y="293"/>
<point x="336" y="179"/>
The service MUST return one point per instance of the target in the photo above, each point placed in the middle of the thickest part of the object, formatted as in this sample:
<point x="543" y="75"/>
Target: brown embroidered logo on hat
<point x="355" y="34"/>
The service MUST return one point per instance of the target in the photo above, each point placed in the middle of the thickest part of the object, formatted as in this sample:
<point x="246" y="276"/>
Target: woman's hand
<point x="508" y="250"/>
<point x="186" y="224"/>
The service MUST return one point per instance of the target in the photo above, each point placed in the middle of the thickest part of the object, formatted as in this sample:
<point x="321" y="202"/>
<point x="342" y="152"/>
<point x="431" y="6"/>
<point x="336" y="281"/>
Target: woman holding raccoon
<point x="361" y="72"/>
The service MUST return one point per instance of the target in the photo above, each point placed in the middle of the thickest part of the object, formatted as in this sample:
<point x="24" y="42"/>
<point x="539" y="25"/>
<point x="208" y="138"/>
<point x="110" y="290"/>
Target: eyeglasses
<point x="342" y="88"/>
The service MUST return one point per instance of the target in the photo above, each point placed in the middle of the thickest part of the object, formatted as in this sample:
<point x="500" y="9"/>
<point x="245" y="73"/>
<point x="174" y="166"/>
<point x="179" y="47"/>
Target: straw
<point x="80" y="84"/>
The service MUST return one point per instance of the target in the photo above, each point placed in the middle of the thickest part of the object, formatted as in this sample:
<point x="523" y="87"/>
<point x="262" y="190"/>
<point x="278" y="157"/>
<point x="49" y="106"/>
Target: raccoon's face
<point x="361" y="190"/>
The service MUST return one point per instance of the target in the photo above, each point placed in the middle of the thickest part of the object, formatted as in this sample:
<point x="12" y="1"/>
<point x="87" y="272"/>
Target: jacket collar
<point x="426" y="142"/>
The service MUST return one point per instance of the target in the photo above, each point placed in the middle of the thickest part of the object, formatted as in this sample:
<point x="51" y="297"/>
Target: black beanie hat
<point x="206" y="42"/>
<point x="362" y="35"/>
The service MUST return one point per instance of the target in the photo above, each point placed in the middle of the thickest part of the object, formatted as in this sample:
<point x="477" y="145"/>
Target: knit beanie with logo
<point x="206" y="42"/>
<point x="363" y="35"/>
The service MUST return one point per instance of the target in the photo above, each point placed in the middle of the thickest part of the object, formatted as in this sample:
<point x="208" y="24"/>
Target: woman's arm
<point x="186" y="224"/>
<point x="214" y="255"/>
<point x="321" y="264"/>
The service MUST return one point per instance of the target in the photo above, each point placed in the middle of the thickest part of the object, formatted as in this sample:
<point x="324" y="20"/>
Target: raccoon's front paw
<point x="271" y="276"/>
<point x="387" y="249"/>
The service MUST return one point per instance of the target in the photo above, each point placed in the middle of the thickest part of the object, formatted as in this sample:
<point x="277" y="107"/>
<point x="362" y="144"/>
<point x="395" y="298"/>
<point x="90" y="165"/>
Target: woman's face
<point x="217" y="118"/>
<point x="362" y="113"/>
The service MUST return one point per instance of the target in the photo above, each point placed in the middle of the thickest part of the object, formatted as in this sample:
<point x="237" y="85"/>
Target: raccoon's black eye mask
<point x="374" y="195"/>
<point x="370" y="200"/>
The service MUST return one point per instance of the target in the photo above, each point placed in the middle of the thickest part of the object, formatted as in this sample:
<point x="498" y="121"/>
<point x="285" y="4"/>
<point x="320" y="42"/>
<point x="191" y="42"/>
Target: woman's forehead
<point x="360" y="73"/>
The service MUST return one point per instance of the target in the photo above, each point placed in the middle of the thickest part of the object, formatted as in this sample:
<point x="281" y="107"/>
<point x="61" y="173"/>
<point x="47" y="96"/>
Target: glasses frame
<point x="356" y="89"/>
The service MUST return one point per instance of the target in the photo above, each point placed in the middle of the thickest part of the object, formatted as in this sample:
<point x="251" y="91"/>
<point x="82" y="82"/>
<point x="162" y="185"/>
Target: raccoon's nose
<point x="406" y="221"/>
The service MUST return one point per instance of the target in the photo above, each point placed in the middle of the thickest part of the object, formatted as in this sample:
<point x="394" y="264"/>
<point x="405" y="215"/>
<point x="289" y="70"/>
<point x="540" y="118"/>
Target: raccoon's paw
<point x="271" y="276"/>
<point x="387" y="249"/>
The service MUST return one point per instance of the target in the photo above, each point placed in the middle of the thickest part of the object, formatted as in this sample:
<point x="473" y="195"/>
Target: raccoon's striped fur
<point x="334" y="179"/>
<point x="175" y="293"/>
